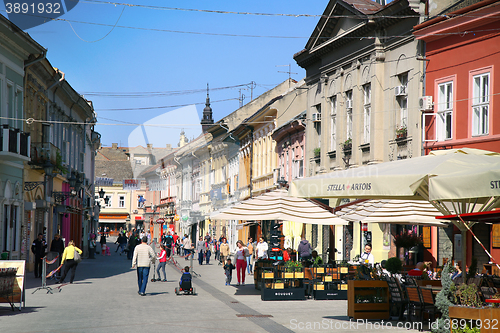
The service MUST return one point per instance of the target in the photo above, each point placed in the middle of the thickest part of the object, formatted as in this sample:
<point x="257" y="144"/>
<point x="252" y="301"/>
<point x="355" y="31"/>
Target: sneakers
<point x="164" y="280"/>
<point x="238" y="284"/>
<point x="226" y="283"/>
<point x="243" y="284"/>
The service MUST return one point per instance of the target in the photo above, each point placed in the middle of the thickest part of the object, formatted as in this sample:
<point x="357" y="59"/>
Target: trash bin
<point x="4" y="256"/>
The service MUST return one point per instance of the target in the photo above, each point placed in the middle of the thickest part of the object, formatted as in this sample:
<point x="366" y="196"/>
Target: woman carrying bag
<point x="69" y="261"/>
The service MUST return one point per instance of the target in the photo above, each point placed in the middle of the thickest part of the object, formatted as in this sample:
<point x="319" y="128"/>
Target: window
<point x="480" y="103"/>
<point x="333" y="123"/>
<point x="317" y="126"/>
<point x="444" y="111"/>
<point x="109" y="201"/>
<point x="348" y="96"/>
<point x="367" y="96"/>
<point x="403" y="102"/>
<point x="121" y="202"/>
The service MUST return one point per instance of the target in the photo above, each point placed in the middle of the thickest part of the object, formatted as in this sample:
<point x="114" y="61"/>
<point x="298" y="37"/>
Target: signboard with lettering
<point x="103" y="181"/>
<point x="157" y="185"/>
<point x="496" y="235"/>
<point x="131" y="184"/>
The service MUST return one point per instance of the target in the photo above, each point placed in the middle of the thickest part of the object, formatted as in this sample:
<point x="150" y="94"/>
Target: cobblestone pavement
<point x="104" y="298"/>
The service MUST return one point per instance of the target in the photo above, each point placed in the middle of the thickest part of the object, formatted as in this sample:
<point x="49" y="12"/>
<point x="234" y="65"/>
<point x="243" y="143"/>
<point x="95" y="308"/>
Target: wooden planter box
<point x="488" y="315"/>
<point x="379" y="310"/>
<point x="278" y="285"/>
<point x="267" y="275"/>
<point x="327" y="278"/>
<point x="319" y="287"/>
<point x="319" y="270"/>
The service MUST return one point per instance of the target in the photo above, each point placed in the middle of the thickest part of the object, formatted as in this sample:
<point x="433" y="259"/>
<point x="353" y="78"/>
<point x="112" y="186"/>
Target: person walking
<point x="208" y="252"/>
<point x="57" y="245"/>
<point x="216" y="250"/>
<point x="241" y="262"/>
<point x="122" y="243"/>
<point x="186" y="244"/>
<point x="162" y="258"/>
<point x="142" y="258"/>
<point x="200" y="249"/>
<point x="304" y="249"/>
<point x="261" y="250"/>
<point x="224" y="251"/>
<point x="38" y="248"/>
<point x="68" y="260"/>
<point x="132" y="242"/>
<point x="250" y="257"/>
<point x="228" y="271"/>
<point x="102" y="241"/>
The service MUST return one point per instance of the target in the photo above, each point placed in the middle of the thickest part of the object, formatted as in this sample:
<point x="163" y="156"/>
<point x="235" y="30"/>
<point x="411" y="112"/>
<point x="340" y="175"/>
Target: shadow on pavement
<point x="7" y="311"/>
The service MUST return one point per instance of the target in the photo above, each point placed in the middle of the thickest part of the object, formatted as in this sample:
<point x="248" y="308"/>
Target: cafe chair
<point x="415" y="304"/>
<point x="398" y="298"/>
<point x="429" y="306"/>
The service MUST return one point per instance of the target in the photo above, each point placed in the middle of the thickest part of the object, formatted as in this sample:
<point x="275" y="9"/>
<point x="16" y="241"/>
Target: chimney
<point x="114" y="145"/>
<point x="169" y="146"/>
<point x="150" y="145"/>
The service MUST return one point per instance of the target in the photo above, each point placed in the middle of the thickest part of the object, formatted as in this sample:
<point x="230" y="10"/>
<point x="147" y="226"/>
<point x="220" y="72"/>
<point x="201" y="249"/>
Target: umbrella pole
<point x="464" y="234"/>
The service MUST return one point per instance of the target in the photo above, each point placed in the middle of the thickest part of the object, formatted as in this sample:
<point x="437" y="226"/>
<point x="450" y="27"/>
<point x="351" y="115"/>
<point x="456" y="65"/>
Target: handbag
<point x="77" y="257"/>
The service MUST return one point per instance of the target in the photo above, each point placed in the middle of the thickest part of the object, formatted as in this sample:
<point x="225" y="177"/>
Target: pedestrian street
<point x="103" y="298"/>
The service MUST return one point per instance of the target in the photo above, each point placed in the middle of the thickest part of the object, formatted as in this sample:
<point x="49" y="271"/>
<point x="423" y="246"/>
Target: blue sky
<point x="99" y="60"/>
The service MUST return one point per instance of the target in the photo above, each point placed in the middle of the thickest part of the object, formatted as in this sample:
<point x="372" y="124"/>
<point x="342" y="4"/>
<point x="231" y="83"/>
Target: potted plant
<point x="267" y="274"/>
<point x="347" y="145"/>
<point x="293" y="270"/>
<point x="401" y="132"/>
<point x="407" y="240"/>
<point x="317" y="152"/>
<point x="278" y="285"/>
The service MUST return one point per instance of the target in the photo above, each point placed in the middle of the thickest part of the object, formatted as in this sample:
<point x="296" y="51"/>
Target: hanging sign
<point x="157" y="185"/>
<point x="103" y="181"/>
<point x="131" y="184"/>
<point x="426" y="237"/>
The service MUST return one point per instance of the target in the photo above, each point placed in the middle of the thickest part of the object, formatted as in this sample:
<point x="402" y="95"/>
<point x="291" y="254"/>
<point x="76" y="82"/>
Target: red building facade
<point x="462" y="55"/>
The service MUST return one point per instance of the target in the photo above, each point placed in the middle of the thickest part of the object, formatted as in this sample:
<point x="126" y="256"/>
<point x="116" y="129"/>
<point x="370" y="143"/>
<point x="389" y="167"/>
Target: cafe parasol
<point x="455" y="182"/>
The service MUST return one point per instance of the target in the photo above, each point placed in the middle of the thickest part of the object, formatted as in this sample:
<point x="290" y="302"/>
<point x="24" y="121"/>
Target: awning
<point x="487" y="217"/>
<point x="277" y="205"/>
<point x="111" y="221"/>
<point x="414" y="212"/>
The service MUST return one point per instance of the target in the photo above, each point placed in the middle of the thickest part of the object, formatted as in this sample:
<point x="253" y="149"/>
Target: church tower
<point x="207" y="120"/>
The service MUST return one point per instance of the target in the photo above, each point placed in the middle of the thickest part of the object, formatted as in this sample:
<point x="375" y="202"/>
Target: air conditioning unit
<point x="400" y="91"/>
<point x="316" y="117"/>
<point x="135" y="211"/>
<point x="425" y="103"/>
<point x="348" y="104"/>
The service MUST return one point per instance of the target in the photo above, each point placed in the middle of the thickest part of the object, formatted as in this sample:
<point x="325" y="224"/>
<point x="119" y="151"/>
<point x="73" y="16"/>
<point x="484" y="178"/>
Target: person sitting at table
<point x="418" y="270"/>
<point x="458" y="272"/>
<point x="287" y="254"/>
<point x="317" y="261"/>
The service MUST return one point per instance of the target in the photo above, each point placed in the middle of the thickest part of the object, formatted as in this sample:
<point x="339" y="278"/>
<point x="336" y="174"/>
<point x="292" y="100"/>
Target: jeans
<point x="249" y="264"/>
<point x="228" y="277"/>
<point x="162" y="266"/>
<point x="142" y="278"/>
<point x="207" y="256"/>
<point x="200" y="258"/>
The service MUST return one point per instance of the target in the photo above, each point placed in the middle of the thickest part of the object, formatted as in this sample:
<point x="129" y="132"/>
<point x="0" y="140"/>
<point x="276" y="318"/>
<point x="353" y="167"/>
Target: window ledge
<point x="365" y="147"/>
<point x="332" y="154"/>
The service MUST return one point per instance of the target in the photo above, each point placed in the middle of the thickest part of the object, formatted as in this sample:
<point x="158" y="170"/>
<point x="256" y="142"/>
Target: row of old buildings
<point x="383" y="82"/>
<point x="47" y="149"/>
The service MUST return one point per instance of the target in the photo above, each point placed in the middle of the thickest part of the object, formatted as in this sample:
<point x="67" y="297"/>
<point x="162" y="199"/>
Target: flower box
<point x="328" y="278"/>
<point x="278" y="285"/>
<point x="288" y="275"/>
<point x="266" y="275"/>
<point x="319" y="287"/>
<point x="319" y="270"/>
<point x="489" y="317"/>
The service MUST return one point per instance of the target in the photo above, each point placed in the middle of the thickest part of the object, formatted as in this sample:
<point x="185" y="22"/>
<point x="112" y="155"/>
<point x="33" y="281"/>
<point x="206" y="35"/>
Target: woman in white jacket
<point x="261" y="250"/>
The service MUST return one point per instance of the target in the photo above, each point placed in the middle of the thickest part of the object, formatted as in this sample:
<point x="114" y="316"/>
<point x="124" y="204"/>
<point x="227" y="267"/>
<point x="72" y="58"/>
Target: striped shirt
<point x="143" y="255"/>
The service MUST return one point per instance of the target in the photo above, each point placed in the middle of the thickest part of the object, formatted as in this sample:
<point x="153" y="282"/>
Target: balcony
<point x="14" y="144"/>
<point x="43" y="152"/>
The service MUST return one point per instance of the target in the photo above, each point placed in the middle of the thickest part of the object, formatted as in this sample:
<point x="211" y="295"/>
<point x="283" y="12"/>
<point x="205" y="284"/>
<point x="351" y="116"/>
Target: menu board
<point x="19" y="284"/>
<point x="496" y="235"/>
<point x="426" y="237"/>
